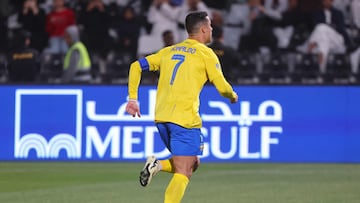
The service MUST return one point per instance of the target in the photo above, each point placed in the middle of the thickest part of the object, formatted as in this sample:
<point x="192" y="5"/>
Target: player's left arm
<point x="216" y="77"/>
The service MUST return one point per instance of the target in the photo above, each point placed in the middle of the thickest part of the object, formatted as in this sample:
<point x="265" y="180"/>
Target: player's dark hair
<point x="193" y="20"/>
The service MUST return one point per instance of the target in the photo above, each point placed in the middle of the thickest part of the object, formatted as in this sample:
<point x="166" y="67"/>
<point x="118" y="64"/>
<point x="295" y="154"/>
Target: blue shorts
<point x="181" y="141"/>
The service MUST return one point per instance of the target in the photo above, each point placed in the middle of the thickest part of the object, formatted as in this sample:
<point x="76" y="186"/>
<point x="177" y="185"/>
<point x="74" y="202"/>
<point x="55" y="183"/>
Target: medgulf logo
<point x="46" y="135"/>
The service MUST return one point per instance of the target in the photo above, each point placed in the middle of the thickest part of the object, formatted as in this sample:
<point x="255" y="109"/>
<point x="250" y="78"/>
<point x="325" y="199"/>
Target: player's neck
<point x="197" y="37"/>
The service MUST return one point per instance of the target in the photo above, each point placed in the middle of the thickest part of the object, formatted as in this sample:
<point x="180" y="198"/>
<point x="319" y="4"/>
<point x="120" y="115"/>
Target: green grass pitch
<point x="55" y="182"/>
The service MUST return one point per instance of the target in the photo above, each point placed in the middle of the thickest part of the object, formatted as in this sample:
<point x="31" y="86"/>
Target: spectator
<point x="128" y="33"/>
<point x="227" y="55"/>
<point x="234" y="21"/>
<point x="282" y="34"/>
<point x="187" y="7"/>
<point x="293" y="27"/>
<point x="329" y="34"/>
<point x="171" y="13"/>
<point x="23" y="62"/>
<point x="260" y="28"/>
<point x="77" y="62"/>
<point x="161" y="16"/>
<point x="344" y="7"/>
<point x="95" y="22"/>
<point x="56" y="23"/>
<point x="168" y="38"/>
<point x="32" y="18"/>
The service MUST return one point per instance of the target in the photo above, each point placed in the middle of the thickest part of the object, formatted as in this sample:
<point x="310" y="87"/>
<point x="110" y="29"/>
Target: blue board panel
<point x="269" y="124"/>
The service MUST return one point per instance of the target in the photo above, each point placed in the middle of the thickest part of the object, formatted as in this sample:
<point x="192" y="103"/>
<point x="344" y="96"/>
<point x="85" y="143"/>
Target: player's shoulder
<point x="163" y="50"/>
<point x="206" y="51"/>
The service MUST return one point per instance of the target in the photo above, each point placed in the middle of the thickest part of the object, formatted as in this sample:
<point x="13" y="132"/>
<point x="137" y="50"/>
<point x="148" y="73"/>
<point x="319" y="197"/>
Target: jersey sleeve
<point x="216" y="76"/>
<point x="134" y="80"/>
<point x="148" y="63"/>
<point x="212" y="64"/>
<point x="152" y="62"/>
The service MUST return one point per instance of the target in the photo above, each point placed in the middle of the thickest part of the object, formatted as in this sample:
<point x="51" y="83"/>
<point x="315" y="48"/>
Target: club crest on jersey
<point x="217" y="66"/>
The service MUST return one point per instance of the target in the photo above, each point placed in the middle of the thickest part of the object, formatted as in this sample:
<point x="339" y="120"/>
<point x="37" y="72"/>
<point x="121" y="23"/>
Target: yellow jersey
<point x="184" y="69"/>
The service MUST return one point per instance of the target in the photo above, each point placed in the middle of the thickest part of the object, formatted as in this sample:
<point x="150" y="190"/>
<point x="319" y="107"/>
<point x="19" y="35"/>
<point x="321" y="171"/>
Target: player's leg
<point x="167" y="165"/>
<point x="197" y="164"/>
<point x="183" y="170"/>
<point x="164" y="131"/>
<point x="152" y="165"/>
<point x="186" y="144"/>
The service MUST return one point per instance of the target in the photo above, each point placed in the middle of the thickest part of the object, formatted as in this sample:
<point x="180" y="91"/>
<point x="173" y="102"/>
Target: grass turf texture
<point x="213" y="183"/>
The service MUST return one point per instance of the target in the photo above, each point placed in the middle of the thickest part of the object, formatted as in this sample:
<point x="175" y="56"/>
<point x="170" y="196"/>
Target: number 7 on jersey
<point x="181" y="59"/>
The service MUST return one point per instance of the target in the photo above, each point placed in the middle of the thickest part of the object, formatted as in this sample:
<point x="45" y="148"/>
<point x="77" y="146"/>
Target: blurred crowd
<point x="257" y="41"/>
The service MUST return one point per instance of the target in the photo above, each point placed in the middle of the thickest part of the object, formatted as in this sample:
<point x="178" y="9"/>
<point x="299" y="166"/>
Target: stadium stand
<point x="284" y="65"/>
<point x="338" y="69"/>
<point x="306" y="69"/>
<point x="51" y="68"/>
<point x="246" y="71"/>
<point x="117" y="66"/>
<point x="275" y="68"/>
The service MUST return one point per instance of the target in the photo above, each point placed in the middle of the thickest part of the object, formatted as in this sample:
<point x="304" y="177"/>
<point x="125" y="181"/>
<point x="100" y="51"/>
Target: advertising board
<point x="268" y="124"/>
